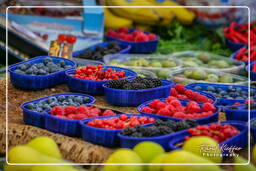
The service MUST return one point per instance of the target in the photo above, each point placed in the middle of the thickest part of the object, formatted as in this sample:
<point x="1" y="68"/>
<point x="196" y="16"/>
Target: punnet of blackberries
<point x="47" y="66"/>
<point x="100" y="51"/>
<point x="138" y="83"/>
<point x="49" y="103"/>
<point x="159" y="128"/>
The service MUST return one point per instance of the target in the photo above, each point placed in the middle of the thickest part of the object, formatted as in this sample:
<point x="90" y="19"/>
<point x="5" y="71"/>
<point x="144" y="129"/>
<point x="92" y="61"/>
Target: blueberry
<point x="65" y="103"/>
<point x="71" y="97"/>
<point x="41" y="72"/>
<point x="68" y="66"/>
<point x="70" y="101"/>
<point x="22" y="67"/>
<point x="39" y="109"/>
<point x="198" y="88"/>
<point x="19" y="71"/>
<point x="52" y="104"/>
<point x="62" y="64"/>
<point x="29" y="71"/>
<point x="219" y="90"/>
<point x="27" y="65"/>
<point x="47" y="60"/>
<point x="86" y="100"/>
<point x="78" y="99"/>
<point x="46" y="107"/>
<point x="61" y="98"/>
<point x="239" y="89"/>
<point x="52" y="99"/>
<point x="210" y="88"/>
<point x="30" y="106"/>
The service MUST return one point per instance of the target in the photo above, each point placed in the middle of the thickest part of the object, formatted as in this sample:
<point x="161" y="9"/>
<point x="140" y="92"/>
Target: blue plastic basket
<point x="120" y="97"/>
<point x="64" y="126"/>
<point x="90" y="86"/>
<point x="130" y="142"/>
<point x="38" y="119"/>
<point x="125" y="48"/>
<point x="252" y="74"/>
<point x="204" y="120"/>
<point x="38" y="82"/>
<point x="240" y="114"/>
<point x="100" y="136"/>
<point x="240" y="140"/>
<point x="253" y="130"/>
<point x="234" y="46"/>
<point x="221" y="102"/>
<point x="138" y="47"/>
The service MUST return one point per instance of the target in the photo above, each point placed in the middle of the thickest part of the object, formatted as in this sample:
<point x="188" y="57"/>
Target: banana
<point x="114" y="22"/>
<point x="182" y="14"/>
<point x="148" y="16"/>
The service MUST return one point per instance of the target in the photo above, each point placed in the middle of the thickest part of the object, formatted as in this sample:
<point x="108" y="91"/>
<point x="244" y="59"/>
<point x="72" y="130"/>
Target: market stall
<point x="128" y="85"/>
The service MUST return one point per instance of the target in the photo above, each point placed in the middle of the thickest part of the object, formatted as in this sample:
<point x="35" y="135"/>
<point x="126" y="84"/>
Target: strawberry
<point x="208" y="107"/>
<point x="70" y="110"/>
<point x="147" y="110"/>
<point x="141" y="38"/>
<point x="173" y="92"/>
<point x="193" y="107"/>
<point x="170" y="98"/>
<point x="57" y="110"/>
<point x="175" y="103"/>
<point x="82" y="109"/>
<point x="123" y="30"/>
<point x="154" y="103"/>
<point x="79" y="116"/>
<point x="129" y="38"/>
<point x="111" y="33"/>
<point x="151" y="36"/>
<point x="164" y="111"/>
<point x="179" y="115"/>
<point x="180" y="88"/>
<point x="160" y="105"/>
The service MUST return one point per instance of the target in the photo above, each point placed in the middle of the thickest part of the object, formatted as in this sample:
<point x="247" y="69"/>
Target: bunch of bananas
<point x="143" y="18"/>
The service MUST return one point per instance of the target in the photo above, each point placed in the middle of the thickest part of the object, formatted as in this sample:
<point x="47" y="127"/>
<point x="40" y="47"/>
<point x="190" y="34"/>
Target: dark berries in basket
<point x="179" y="91"/>
<point x="159" y="128"/>
<point x="216" y="131"/>
<point x="230" y="93"/>
<point x="172" y="107"/>
<point x="62" y="100"/>
<point x="138" y="83"/>
<point x="121" y="122"/>
<point x="99" y="52"/>
<point x="43" y="68"/>
<point x="98" y="73"/>
<point x="80" y="112"/>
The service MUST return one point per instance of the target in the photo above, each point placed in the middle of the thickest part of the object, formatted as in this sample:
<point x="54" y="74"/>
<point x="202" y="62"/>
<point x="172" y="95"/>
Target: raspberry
<point x="208" y="107"/>
<point x="170" y="98"/>
<point x="154" y="103"/>
<point x="123" y="117"/>
<point x="57" y="110"/>
<point x="193" y="107"/>
<point x="179" y="115"/>
<point x="189" y="94"/>
<point x="121" y="36"/>
<point x="171" y="109"/>
<point x="123" y="30"/>
<point x="141" y="38"/>
<point x="182" y="97"/>
<point x="147" y="110"/>
<point x="175" y="103"/>
<point x="137" y="32"/>
<point x="151" y="36"/>
<point x="129" y="38"/>
<point x="108" y="113"/>
<point x="82" y="109"/>
<point x="70" y="110"/>
<point x="174" y="92"/>
<point x="111" y="33"/>
<point x="79" y="116"/>
<point x="160" y="105"/>
<point x="163" y="111"/>
<point x="180" y="88"/>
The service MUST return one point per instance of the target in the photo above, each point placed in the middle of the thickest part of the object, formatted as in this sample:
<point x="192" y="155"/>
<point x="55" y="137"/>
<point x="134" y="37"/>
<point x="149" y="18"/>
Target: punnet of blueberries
<point x="42" y="68"/>
<point x="159" y="128"/>
<point x="100" y="51"/>
<point x="139" y="83"/>
<point x="231" y="92"/>
<point x="61" y="100"/>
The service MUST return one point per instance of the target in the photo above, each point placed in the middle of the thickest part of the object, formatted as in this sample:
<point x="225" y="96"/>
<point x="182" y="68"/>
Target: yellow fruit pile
<point x="142" y="18"/>
<point x="39" y="150"/>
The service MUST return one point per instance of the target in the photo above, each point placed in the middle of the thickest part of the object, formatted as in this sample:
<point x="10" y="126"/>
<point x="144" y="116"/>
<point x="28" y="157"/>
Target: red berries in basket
<point x="216" y="131"/>
<point x="134" y="36"/>
<point x="80" y="112"/>
<point x="97" y="73"/>
<point x="172" y="107"/>
<point x="179" y="91"/>
<point x="121" y="122"/>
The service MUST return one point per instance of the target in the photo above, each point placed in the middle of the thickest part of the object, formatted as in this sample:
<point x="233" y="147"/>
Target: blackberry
<point x="127" y="86"/>
<point x="159" y="123"/>
<point x="171" y="124"/>
<point x="137" y="134"/>
<point x="138" y="86"/>
<point x="128" y="131"/>
<point x="156" y="81"/>
<point x="181" y="125"/>
<point x="118" y="84"/>
<point x="191" y="123"/>
<point x="165" y="130"/>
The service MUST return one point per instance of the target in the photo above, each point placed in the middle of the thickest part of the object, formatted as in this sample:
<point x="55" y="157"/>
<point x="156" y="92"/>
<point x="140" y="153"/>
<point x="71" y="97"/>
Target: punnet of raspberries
<point x="80" y="112"/>
<point x="121" y="122"/>
<point x="172" y="107"/>
<point x="97" y="73"/>
<point x="182" y="93"/>
<point x="134" y="36"/>
<point x="216" y="131"/>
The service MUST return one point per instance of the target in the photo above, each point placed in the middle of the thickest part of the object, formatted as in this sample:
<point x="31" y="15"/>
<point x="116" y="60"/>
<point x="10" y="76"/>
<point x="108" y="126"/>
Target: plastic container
<point x="100" y="136"/>
<point x="90" y="86"/>
<point x="38" y="119"/>
<point x="204" y="120"/>
<point x="130" y="142"/>
<point x="253" y="129"/>
<point x="236" y="68"/>
<point x="63" y="126"/>
<point x="222" y="102"/>
<point x="84" y="62"/>
<point x="142" y="62"/>
<point x="38" y="82"/>
<point x="252" y="74"/>
<point x="238" y="80"/>
<point x="125" y="48"/>
<point x="234" y="46"/>
<point x="240" y="114"/>
<point x="138" y="47"/>
<point x="118" y="97"/>
<point x="239" y="140"/>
